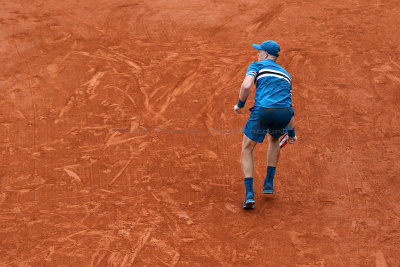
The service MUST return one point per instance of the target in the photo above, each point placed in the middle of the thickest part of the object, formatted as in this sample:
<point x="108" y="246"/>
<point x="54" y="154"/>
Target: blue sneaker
<point x="268" y="188"/>
<point x="249" y="202"/>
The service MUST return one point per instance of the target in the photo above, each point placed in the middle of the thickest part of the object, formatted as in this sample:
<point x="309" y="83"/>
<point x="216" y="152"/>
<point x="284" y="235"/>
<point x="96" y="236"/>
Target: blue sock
<point x="270" y="175"/>
<point x="248" y="183"/>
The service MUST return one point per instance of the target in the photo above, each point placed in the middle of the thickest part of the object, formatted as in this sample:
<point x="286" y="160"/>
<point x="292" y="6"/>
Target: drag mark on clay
<point x="182" y="86"/>
<point x="117" y="140"/>
<point x="100" y="252"/>
<point x="380" y="259"/>
<point x="127" y="60"/>
<point x="140" y="244"/>
<point x="172" y="253"/>
<point x="94" y="82"/>
<point x="73" y="175"/>
<point x="66" y="107"/>
<point x="183" y="215"/>
<point x="125" y="93"/>
<point x="124" y="167"/>
<point x="89" y="212"/>
<point x="95" y="56"/>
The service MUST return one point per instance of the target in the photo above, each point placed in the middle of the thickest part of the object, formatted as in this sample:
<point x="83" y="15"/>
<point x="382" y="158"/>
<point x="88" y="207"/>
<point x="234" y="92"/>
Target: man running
<point x="272" y="113"/>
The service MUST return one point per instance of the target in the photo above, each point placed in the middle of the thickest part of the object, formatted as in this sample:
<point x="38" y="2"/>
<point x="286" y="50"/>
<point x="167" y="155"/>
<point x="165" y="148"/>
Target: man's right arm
<point x="244" y="93"/>
<point x="245" y="88"/>
<point x="248" y="81"/>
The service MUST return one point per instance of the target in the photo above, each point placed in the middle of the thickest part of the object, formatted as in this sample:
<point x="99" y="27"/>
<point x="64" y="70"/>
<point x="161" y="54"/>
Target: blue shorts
<point x="267" y="120"/>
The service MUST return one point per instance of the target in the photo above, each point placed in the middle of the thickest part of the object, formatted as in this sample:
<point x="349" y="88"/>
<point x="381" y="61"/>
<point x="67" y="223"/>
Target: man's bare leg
<point x="247" y="156"/>
<point x="273" y="151"/>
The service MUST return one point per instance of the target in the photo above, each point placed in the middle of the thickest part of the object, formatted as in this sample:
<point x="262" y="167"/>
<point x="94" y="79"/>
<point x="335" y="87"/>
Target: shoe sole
<point x="250" y="204"/>
<point x="268" y="191"/>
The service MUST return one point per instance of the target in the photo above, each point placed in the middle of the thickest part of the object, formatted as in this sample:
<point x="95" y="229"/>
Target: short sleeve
<point x="252" y="70"/>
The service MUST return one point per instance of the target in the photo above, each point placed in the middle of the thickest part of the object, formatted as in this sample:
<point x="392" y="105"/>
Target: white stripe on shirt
<point x="273" y="75"/>
<point x="277" y="72"/>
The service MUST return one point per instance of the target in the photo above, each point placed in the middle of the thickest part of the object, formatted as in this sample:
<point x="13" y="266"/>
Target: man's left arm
<point x="244" y="93"/>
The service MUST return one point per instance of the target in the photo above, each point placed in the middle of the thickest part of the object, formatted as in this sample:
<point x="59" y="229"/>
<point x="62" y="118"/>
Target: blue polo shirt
<point x="273" y="84"/>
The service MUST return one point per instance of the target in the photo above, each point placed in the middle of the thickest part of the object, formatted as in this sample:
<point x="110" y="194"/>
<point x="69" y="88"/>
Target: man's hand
<point x="292" y="140"/>
<point x="237" y="109"/>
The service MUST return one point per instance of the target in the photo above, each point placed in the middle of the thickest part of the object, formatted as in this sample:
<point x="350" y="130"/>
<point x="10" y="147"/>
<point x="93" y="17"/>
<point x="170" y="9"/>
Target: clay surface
<point x="119" y="144"/>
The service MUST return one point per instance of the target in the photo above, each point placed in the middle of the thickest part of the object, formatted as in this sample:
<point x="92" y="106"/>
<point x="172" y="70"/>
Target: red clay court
<point x="120" y="147"/>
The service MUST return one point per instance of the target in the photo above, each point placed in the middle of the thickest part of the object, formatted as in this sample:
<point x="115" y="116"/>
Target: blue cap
<point x="271" y="47"/>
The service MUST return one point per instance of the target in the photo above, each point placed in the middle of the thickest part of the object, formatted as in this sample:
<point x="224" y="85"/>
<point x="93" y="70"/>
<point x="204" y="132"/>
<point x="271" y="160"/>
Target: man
<point x="272" y="114"/>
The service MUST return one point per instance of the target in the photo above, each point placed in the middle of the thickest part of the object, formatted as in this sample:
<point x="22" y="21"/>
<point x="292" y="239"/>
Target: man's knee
<point x="248" y="144"/>
<point x="247" y="149"/>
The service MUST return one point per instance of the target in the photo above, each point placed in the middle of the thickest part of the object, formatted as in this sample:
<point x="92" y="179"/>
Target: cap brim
<point x="256" y="46"/>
